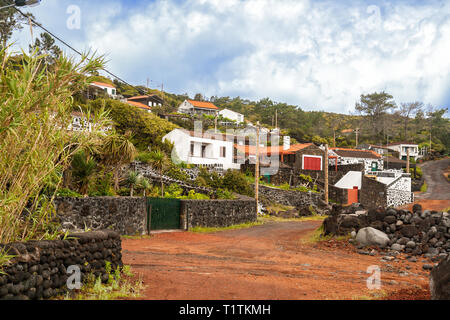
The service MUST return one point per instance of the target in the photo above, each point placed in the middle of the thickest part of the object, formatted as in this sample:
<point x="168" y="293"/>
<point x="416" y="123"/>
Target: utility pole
<point x="276" y="119"/>
<point x="257" y="168"/>
<point x="215" y="122"/>
<point x="326" y="174"/>
<point x="357" y="132"/>
<point x="407" y="159"/>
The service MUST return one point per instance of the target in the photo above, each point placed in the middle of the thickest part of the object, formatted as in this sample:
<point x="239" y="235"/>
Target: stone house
<point x="402" y="149"/>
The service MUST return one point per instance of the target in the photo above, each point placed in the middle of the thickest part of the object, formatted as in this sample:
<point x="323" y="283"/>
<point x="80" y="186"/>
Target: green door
<point x="374" y="166"/>
<point x="163" y="214"/>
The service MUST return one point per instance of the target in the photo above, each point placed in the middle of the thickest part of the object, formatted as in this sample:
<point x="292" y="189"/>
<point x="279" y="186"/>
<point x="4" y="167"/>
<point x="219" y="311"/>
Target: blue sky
<point x="319" y="55"/>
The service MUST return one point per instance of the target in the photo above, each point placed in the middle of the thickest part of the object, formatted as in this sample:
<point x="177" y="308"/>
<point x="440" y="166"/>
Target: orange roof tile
<point x="202" y="104"/>
<point x="139" y="105"/>
<point x="103" y="84"/>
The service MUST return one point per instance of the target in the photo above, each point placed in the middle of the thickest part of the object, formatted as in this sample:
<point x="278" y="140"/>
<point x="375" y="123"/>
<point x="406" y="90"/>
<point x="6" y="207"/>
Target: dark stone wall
<point x="39" y="268"/>
<point x="217" y="213"/>
<point x="373" y="193"/>
<point x="312" y="150"/>
<point x="290" y="198"/>
<point x="338" y="195"/>
<point x="126" y="215"/>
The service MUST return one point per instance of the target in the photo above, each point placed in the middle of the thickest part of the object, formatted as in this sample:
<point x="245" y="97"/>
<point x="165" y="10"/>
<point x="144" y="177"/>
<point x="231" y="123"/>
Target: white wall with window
<point x="201" y="150"/>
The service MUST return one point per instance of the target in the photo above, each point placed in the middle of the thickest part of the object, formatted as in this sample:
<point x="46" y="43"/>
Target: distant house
<point x="372" y="161"/>
<point x="148" y="100"/>
<point x="109" y="89"/>
<point x="378" y="149"/>
<point x="197" y="108"/>
<point x="80" y="123"/>
<point x="402" y="149"/>
<point x="203" y="149"/>
<point x="232" y="115"/>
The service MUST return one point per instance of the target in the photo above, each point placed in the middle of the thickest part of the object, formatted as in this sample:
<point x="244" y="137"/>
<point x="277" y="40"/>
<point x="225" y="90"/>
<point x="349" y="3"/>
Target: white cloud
<point x="315" y="54"/>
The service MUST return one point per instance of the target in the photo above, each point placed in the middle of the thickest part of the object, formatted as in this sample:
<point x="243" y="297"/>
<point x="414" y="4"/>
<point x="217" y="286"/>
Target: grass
<point x="4" y="259"/>
<point x="372" y="295"/>
<point x="137" y="237"/>
<point x="268" y="218"/>
<point x="318" y="236"/>
<point x="119" y="285"/>
<point x="233" y="227"/>
<point x="424" y="187"/>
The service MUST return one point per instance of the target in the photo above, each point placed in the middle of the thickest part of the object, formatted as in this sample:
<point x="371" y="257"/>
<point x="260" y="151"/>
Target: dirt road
<point x="438" y="186"/>
<point x="268" y="262"/>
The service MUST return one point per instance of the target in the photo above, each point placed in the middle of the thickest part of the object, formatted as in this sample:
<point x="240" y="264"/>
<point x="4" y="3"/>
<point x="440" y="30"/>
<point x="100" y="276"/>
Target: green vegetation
<point x="119" y="285"/>
<point x="234" y="227"/>
<point x="318" y="236"/>
<point x="424" y="187"/>
<point x="34" y="104"/>
<point x="269" y="218"/>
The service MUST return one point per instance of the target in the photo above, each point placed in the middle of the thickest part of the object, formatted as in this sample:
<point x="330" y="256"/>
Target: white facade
<point x="109" y="89"/>
<point x="232" y="115"/>
<point x="370" y="164"/>
<point x="402" y="149"/>
<point x="202" y="150"/>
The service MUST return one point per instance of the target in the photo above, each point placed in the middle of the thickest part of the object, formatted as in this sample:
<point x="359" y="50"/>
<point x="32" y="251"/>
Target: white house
<point x="372" y="161"/>
<point x="197" y="107"/>
<point x="202" y="149"/>
<point x="106" y="87"/>
<point x="402" y="149"/>
<point x="232" y="115"/>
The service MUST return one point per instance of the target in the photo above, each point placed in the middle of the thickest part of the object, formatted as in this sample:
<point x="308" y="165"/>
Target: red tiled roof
<point x="275" y="149"/>
<point x="103" y="84"/>
<point x="355" y="153"/>
<point x="139" y="105"/>
<point x="203" y="105"/>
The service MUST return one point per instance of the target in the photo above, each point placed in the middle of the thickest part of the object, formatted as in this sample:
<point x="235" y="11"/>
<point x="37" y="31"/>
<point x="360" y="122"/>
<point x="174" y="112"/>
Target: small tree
<point x="118" y="150"/>
<point x="159" y="161"/>
<point x="83" y="168"/>
<point x="133" y="181"/>
<point x="144" y="184"/>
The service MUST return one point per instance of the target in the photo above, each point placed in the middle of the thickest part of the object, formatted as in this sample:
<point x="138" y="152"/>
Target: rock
<point x="440" y="281"/>
<point x="353" y="234"/>
<point x="408" y="231"/>
<point x="427" y="267"/>
<point x="416" y="207"/>
<point x="390" y="219"/>
<point x="412" y="259"/>
<point x="370" y="236"/>
<point x="397" y="247"/>
<point x="399" y="223"/>
<point x="388" y="258"/>
<point x="411" y="244"/>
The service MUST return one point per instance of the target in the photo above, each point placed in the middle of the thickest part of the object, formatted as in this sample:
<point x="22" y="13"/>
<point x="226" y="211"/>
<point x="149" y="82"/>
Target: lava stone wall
<point x="289" y="197"/>
<point x="217" y="213"/>
<point x="126" y="215"/>
<point x="39" y="268"/>
<point x="373" y="193"/>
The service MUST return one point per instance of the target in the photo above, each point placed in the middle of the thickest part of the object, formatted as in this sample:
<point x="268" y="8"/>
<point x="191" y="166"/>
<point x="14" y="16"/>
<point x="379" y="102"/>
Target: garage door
<point x="312" y="163"/>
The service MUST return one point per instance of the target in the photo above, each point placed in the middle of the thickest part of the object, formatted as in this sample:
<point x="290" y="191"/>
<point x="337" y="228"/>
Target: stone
<point x="390" y="219"/>
<point x="411" y="244"/>
<point x="440" y="281"/>
<point x="370" y="236"/>
<point x="397" y="247"/>
<point x="416" y="208"/>
<point x="427" y="267"/>
<point x="408" y="231"/>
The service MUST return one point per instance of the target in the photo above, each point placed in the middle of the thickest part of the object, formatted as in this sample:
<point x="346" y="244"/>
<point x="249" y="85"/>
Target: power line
<point x="75" y="50"/>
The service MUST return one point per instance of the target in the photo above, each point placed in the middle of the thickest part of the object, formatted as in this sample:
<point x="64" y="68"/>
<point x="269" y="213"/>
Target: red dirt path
<point x="268" y="262"/>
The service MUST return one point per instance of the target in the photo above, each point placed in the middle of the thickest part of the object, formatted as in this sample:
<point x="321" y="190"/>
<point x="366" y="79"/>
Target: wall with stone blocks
<point x="39" y="268"/>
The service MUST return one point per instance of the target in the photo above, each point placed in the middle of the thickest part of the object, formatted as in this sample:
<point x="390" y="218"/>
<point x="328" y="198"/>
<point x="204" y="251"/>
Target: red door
<point x="312" y="163"/>
<point x="353" y="195"/>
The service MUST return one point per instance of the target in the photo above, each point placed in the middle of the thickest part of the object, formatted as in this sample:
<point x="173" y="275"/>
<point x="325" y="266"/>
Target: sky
<point x="318" y="55"/>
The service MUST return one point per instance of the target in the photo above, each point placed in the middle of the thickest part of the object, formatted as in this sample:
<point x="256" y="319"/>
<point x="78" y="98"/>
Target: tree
<point x="158" y="161"/>
<point x="199" y="97"/>
<point x="10" y="21"/>
<point x="375" y="106"/>
<point x="118" y="150"/>
<point x="144" y="184"/>
<point x="408" y="110"/>
<point x="46" y="46"/>
<point x="83" y="168"/>
<point x="133" y="181"/>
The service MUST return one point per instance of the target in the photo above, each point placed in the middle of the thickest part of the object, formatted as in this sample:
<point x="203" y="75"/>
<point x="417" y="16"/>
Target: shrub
<point x="68" y="193"/>
<point x="177" y="173"/>
<point x="224" y="194"/>
<point x="236" y="181"/>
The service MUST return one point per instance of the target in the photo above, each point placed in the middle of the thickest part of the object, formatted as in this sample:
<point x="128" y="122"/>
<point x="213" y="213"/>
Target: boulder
<point x="417" y="208"/>
<point x="440" y="281"/>
<point x="372" y="237"/>
<point x="397" y="247"/>
<point x="409" y="231"/>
